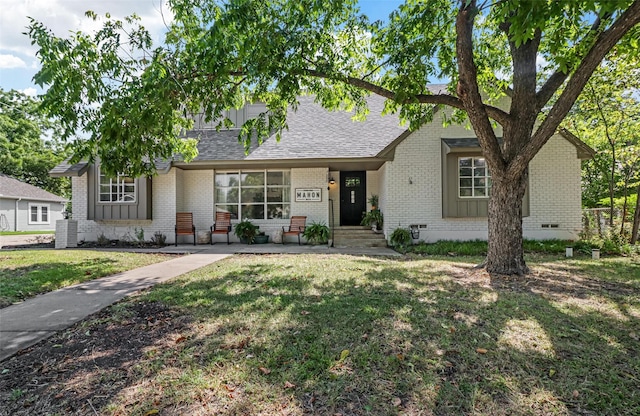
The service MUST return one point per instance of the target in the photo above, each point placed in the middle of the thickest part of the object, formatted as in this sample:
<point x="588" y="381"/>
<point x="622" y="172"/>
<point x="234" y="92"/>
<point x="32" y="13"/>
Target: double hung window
<point x="38" y="214"/>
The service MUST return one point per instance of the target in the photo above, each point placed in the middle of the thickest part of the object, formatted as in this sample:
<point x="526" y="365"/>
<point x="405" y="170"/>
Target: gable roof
<point x="14" y="189"/>
<point x="315" y="137"/>
<point x="584" y="150"/>
<point x="313" y="133"/>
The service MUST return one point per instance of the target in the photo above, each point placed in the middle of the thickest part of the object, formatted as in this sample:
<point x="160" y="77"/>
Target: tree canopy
<point x="132" y="99"/>
<point x="29" y="143"/>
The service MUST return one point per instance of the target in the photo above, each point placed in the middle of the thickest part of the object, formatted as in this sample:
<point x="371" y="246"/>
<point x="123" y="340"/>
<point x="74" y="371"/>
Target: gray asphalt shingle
<point x="13" y="188"/>
<point x="313" y="133"/>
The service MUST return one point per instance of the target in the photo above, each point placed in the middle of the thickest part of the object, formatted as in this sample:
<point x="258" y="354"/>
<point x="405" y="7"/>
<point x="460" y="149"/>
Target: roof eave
<point x="77" y="169"/>
<point x="31" y="198"/>
<point x="585" y="151"/>
<point x="334" y="164"/>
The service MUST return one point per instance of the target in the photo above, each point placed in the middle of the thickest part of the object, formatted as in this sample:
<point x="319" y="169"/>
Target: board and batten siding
<point x="141" y="209"/>
<point x="452" y="205"/>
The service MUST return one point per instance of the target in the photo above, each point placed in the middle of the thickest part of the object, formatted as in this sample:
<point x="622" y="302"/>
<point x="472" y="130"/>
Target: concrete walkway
<point x="14" y="240"/>
<point x="35" y="319"/>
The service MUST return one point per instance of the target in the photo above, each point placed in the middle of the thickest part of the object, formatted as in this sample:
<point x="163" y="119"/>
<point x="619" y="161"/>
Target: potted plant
<point x="246" y="231"/>
<point x="373" y="219"/>
<point x="261" y="238"/>
<point x="373" y="200"/>
<point x="316" y="233"/>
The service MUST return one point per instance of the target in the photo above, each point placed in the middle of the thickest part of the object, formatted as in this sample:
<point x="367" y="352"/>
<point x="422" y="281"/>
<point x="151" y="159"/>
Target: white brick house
<point x="432" y="179"/>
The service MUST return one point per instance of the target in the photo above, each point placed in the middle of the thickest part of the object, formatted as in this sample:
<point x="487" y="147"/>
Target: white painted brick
<point x="554" y="194"/>
<point x="554" y="189"/>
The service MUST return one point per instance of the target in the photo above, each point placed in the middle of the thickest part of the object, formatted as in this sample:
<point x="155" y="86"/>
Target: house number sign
<point x="308" y="194"/>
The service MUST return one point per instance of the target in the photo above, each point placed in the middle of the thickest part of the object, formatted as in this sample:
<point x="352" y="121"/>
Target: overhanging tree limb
<point x="556" y="79"/>
<point x="468" y="87"/>
<point x="602" y="45"/>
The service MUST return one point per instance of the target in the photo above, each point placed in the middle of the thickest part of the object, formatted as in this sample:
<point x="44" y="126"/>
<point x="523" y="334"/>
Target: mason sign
<point x="308" y="194"/>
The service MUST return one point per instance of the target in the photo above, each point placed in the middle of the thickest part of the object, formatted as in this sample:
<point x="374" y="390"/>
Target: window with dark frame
<point x="255" y="195"/>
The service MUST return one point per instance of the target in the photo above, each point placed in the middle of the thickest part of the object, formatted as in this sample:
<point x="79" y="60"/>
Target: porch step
<point x="357" y="236"/>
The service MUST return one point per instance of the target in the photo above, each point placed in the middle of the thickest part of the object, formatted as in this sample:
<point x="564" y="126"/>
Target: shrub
<point x="316" y="233"/>
<point x="612" y="243"/>
<point x="159" y="239"/>
<point x="400" y="238"/>
<point x="139" y="235"/>
<point x="103" y="240"/>
<point x="450" y="247"/>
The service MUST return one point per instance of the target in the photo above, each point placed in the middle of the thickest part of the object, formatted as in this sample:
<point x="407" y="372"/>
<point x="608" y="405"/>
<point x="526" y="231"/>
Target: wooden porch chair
<point x="184" y="225"/>
<point x="296" y="227"/>
<point x="222" y="225"/>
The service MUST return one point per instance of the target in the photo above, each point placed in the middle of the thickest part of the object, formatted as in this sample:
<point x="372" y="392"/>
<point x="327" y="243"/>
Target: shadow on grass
<point x="350" y="336"/>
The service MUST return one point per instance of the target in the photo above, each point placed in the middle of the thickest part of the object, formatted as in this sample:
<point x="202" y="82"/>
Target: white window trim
<point x="240" y="204"/>
<point x="39" y="220"/>
<point x="487" y="176"/>
<point x="118" y="183"/>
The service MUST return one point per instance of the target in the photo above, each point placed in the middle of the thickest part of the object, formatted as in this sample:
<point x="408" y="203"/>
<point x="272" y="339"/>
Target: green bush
<point x="479" y="247"/>
<point x="246" y="231"/>
<point x="612" y="243"/>
<point x="316" y="233"/>
<point x="103" y="241"/>
<point x="159" y="239"/>
<point x="448" y="248"/>
<point x="400" y="238"/>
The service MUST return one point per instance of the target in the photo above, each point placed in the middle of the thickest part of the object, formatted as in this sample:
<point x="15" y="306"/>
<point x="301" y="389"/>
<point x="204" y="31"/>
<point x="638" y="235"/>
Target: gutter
<point x="15" y="216"/>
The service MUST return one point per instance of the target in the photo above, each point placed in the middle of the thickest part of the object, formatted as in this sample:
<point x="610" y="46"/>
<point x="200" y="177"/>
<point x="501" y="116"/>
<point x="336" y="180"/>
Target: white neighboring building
<point x="325" y="167"/>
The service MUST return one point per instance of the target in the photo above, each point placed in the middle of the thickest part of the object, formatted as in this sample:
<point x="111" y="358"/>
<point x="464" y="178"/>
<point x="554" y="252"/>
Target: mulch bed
<point x="79" y="370"/>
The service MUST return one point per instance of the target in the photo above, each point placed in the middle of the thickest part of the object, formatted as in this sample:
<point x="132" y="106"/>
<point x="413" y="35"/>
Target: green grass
<point x="25" y="232"/>
<point x="26" y="273"/>
<point x="319" y="334"/>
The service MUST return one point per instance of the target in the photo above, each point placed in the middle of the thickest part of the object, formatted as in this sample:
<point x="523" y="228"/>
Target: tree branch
<point x="495" y="113"/>
<point x="602" y="45"/>
<point x="558" y="78"/>
<point x="468" y="90"/>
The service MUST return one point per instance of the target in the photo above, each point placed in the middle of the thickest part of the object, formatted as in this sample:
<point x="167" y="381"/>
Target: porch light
<point x="332" y="181"/>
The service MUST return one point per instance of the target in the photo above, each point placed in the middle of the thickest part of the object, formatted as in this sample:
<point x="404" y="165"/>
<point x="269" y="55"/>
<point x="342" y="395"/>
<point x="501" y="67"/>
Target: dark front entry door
<point x="353" y="193"/>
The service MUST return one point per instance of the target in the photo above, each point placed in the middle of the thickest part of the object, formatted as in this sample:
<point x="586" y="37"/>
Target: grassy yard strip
<point x="26" y="273"/>
<point x="319" y="334"/>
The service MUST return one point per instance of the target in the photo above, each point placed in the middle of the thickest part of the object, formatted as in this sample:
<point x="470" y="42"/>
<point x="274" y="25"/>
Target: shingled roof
<point x="313" y="133"/>
<point x="14" y="189"/>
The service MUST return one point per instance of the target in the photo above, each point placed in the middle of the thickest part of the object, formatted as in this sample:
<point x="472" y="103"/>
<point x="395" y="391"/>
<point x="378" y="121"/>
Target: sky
<point x="18" y="61"/>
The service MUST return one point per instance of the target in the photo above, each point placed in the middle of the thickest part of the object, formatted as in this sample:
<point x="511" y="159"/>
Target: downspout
<point x="15" y="216"/>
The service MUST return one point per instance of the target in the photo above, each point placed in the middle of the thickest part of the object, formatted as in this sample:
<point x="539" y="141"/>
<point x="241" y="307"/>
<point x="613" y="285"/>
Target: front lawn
<point x="321" y="334"/>
<point x="26" y="273"/>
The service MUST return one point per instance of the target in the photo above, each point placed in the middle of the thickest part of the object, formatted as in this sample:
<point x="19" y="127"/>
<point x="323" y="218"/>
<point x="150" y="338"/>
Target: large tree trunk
<point x="505" y="254"/>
